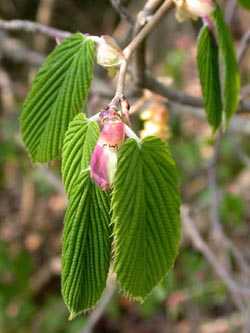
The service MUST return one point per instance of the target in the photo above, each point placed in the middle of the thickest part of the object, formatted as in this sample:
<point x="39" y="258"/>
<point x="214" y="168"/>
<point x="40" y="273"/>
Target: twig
<point x="149" y="82"/>
<point x="122" y="11"/>
<point x="29" y="26"/>
<point x="229" y="323"/>
<point x="238" y="125"/>
<point x="128" y="51"/>
<point x="44" y="274"/>
<point x="99" y="310"/>
<point x="15" y="50"/>
<point x="53" y="180"/>
<point x="43" y="16"/>
<point x="212" y="182"/>
<point x="199" y="243"/>
<point x="240" y="152"/>
<point x="172" y="94"/>
<point x="6" y="91"/>
<point x="217" y="230"/>
<point x="165" y="7"/>
<point x="140" y="62"/>
<point x="181" y="97"/>
<point x="245" y="43"/>
<point x="231" y="10"/>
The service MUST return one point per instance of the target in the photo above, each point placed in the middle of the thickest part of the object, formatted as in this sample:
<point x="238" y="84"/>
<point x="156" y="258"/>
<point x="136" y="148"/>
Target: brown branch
<point x="212" y="183"/>
<point x="238" y="125"/>
<point x="231" y="10"/>
<point x="33" y="27"/>
<point x="217" y="231"/>
<point x="172" y="94"/>
<point x="245" y="44"/>
<point x="122" y="11"/>
<point x="43" y="16"/>
<point x="130" y="49"/>
<point x="149" y="82"/>
<point x="181" y="97"/>
<point x="200" y="244"/>
<point x="140" y="63"/>
<point x="100" y="309"/>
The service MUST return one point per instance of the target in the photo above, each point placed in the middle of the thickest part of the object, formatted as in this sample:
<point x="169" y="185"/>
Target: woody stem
<point x="128" y="51"/>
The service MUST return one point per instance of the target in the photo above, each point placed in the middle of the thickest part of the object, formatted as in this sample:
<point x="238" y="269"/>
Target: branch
<point x="238" y="124"/>
<point x="217" y="231"/>
<point x="140" y="63"/>
<point x="172" y="94"/>
<point x="150" y="82"/>
<point x="181" y="97"/>
<point x="231" y="10"/>
<point x="33" y="27"/>
<point x="99" y="309"/>
<point x="199" y="243"/>
<point x="122" y="11"/>
<point x="129" y="50"/>
<point x="245" y="43"/>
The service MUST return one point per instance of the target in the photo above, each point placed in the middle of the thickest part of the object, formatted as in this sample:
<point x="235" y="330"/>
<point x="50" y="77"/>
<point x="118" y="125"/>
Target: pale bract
<point x="109" y="53"/>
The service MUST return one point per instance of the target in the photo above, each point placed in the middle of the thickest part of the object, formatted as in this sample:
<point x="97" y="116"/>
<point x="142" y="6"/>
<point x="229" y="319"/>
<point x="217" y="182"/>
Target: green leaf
<point x="78" y="145"/>
<point x="230" y="72"/>
<point x="145" y="206"/>
<point x="58" y="93"/>
<point x="244" y="3"/>
<point x="208" y="65"/>
<point x="86" y="246"/>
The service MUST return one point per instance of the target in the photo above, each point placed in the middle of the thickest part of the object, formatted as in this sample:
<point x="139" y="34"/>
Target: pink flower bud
<point x="112" y="134"/>
<point x="103" y="162"/>
<point x="200" y="7"/>
<point x="58" y="40"/>
<point x="103" y="165"/>
<point x="193" y="8"/>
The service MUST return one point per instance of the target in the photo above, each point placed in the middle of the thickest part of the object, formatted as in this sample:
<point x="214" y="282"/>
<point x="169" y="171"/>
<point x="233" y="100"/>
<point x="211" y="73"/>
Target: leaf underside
<point x="78" y="145"/>
<point x="86" y="246"/>
<point x="57" y="94"/>
<point x="145" y="207"/>
<point x="208" y="66"/>
<point x="230" y="73"/>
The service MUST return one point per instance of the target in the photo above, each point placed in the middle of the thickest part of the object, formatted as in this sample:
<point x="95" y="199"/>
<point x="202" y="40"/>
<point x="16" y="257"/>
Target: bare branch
<point x="150" y="82"/>
<point x="199" y="243"/>
<point x="238" y="124"/>
<point x="140" y="63"/>
<point x="99" y="309"/>
<point x="230" y="11"/>
<point x="172" y="94"/>
<point x="218" y="234"/>
<point x="129" y="50"/>
<point x="183" y="98"/>
<point x="245" y="44"/>
<point x="122" y="11"/>
<point x="33" y="27"/>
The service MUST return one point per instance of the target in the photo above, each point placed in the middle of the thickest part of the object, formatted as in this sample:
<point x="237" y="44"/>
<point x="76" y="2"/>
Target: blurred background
<point x="214" y="175"/>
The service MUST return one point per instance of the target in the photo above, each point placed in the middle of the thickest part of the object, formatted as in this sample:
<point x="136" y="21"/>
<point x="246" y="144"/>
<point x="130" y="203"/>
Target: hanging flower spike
<point x="193" y="8"/>
<point x="103" y="162"/>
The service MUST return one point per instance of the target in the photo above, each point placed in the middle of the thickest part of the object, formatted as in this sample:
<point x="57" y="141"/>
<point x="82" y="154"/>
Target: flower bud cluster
<point x="103" y="164"/>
